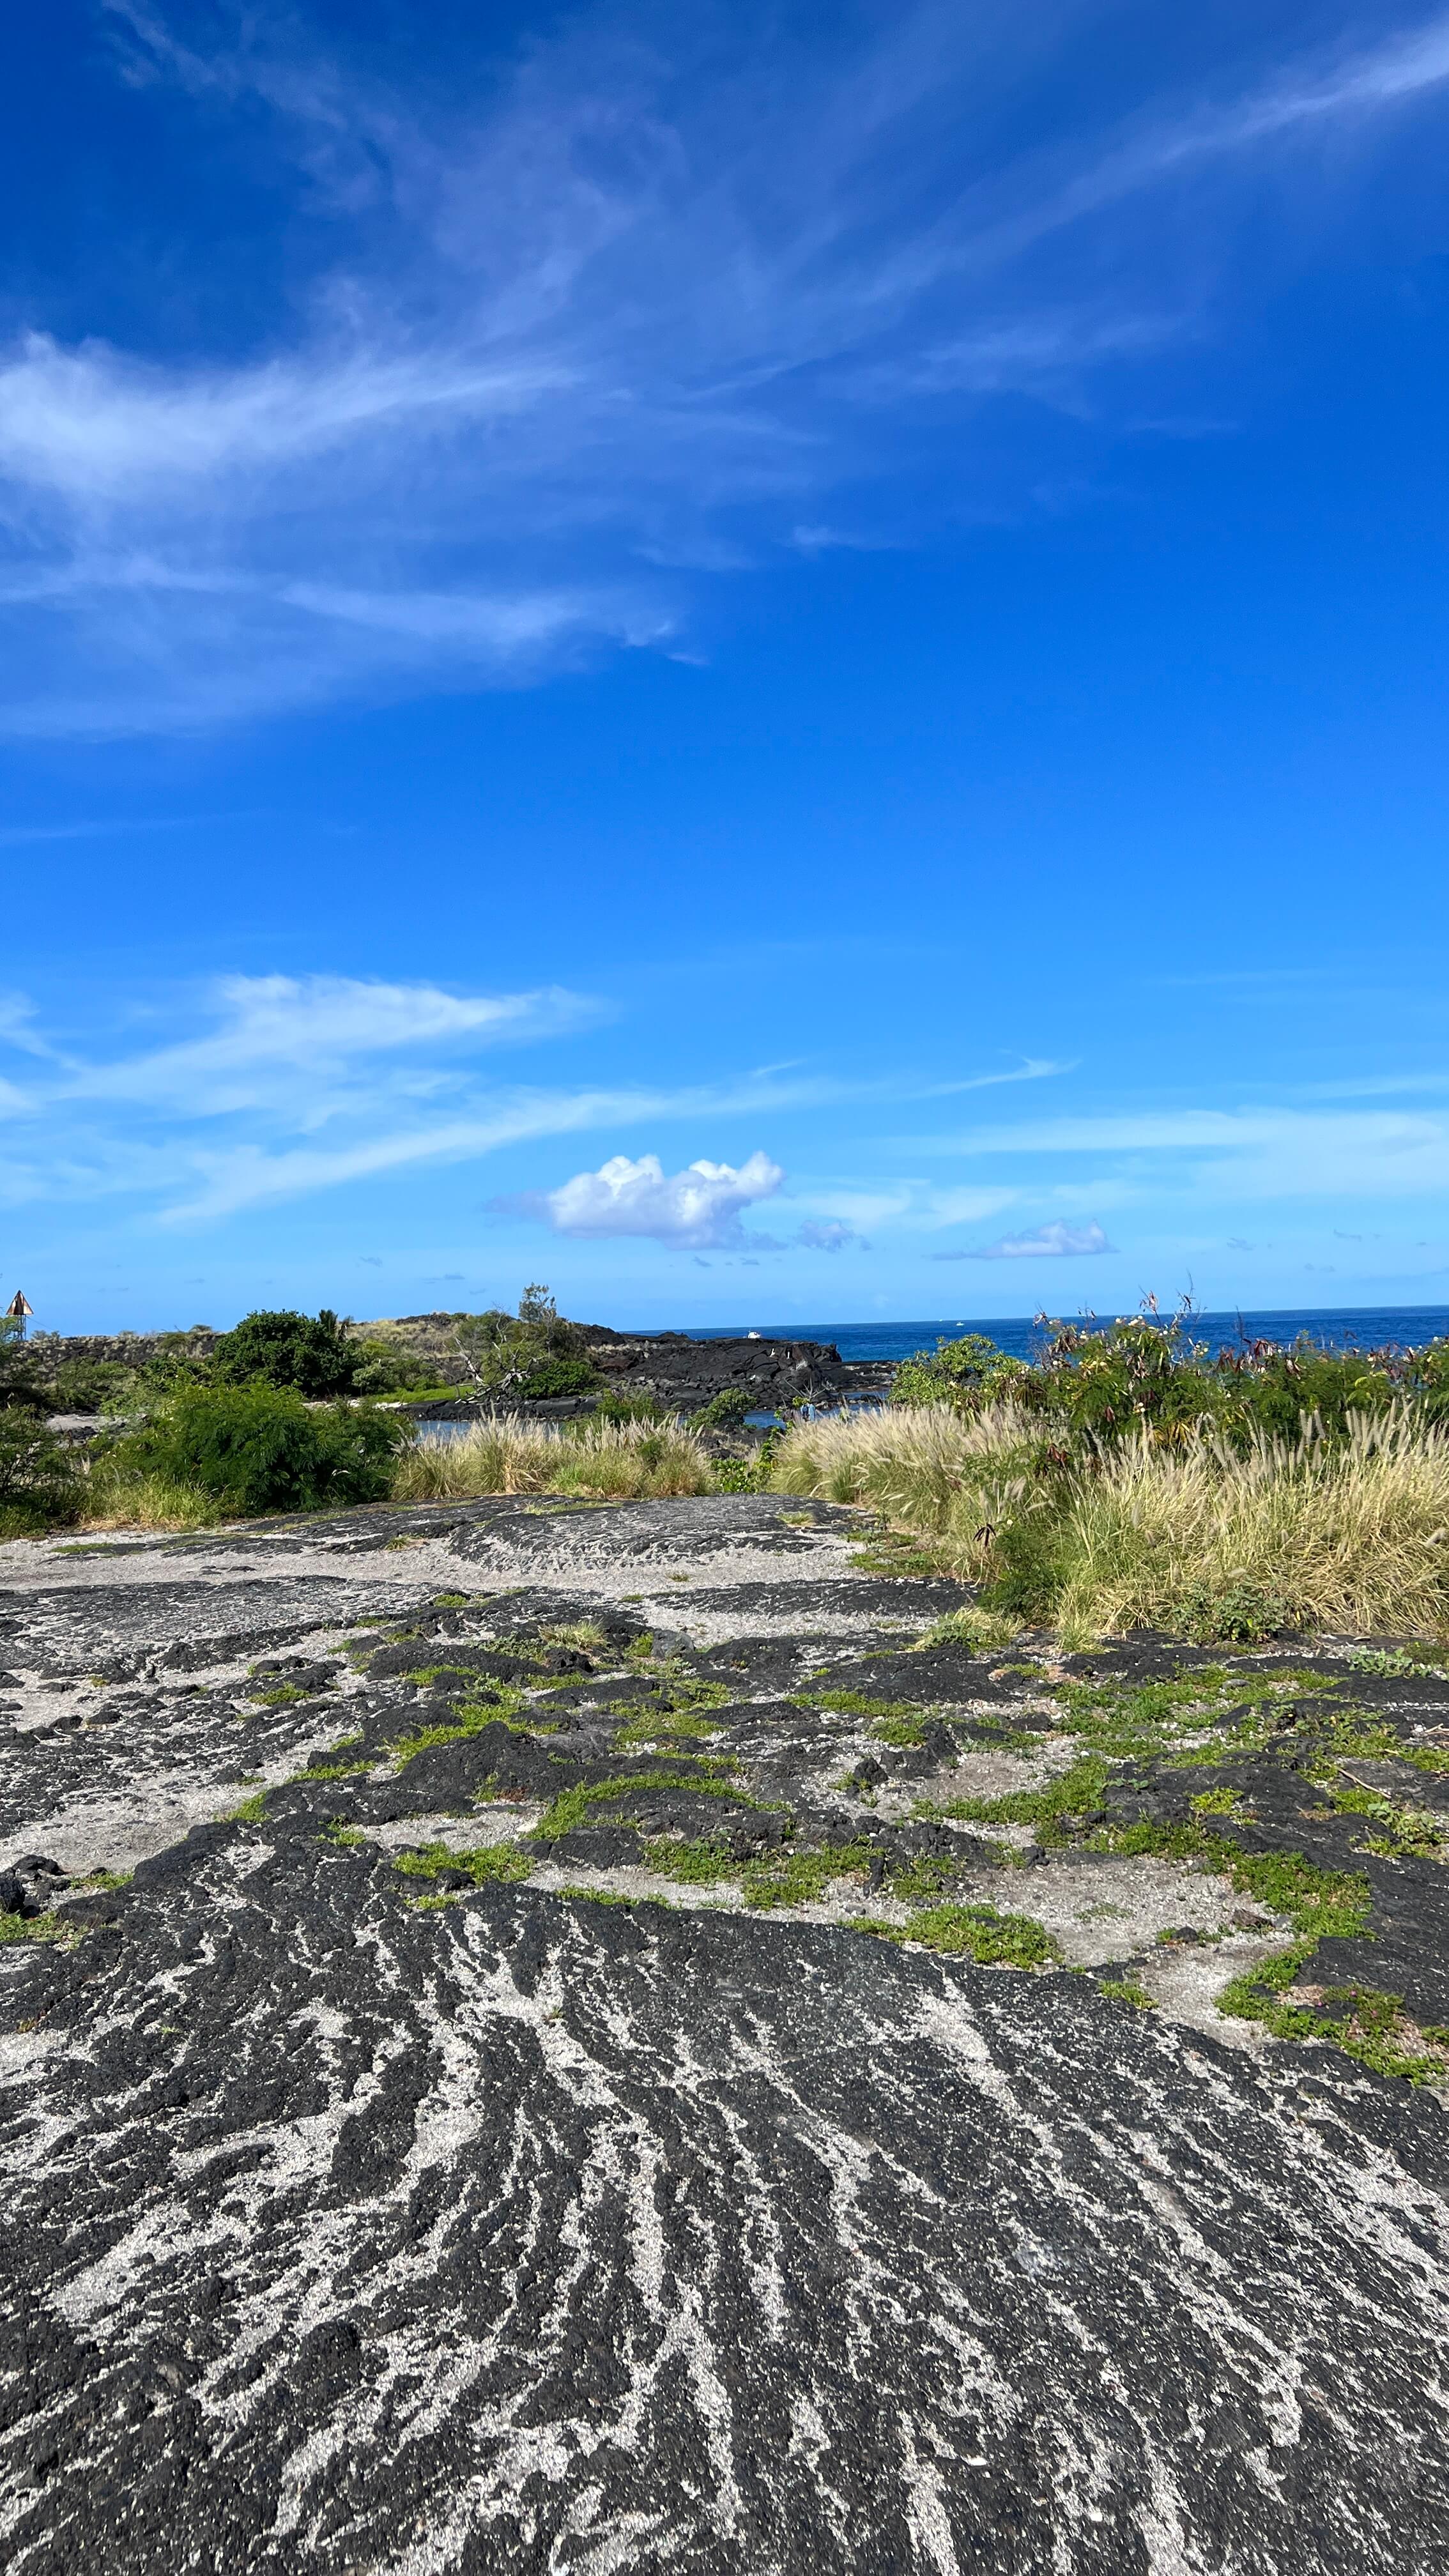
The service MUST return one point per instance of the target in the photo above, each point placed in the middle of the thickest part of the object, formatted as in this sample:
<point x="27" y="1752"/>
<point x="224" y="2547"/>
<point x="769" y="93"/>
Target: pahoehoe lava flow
<point x="575" y="2039"/>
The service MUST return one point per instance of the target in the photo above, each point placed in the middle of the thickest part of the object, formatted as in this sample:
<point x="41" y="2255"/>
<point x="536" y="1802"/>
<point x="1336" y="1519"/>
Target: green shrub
<point x="724" y="1412"/>
<point x="1426" y="1378"/>
<point x="282" y="1348"/>
<point x="40" y="1484"/>
<point x="258" y="1448"/>
<point x="1094" y="1385"/>
<point x="20" y="1380"/>
<point x="615" y="1407"/>
<point x="91" y="1386"/>
<point x="523" y="1356"/>
<point x="382" y="1368"/>
<point x="1278" y="1389"/>
<point x="550" y="1377"/>
<point x="967" y="1374"/>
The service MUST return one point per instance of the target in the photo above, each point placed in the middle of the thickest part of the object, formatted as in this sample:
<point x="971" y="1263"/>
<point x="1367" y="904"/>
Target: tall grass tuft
<point x="606" y="1461"/>
<point x="119" y="1500"/>
<point x="1348" y="1534"/>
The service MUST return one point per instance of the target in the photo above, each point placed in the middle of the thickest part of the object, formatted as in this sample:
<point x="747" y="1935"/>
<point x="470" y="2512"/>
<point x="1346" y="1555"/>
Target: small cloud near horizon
<point x="1054" y="1242"/>
<point x="832" y="1236"/>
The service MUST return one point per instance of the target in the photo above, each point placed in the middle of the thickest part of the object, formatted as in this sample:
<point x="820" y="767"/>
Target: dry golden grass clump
<point x="614" y="1461"/>
<point x="113" y="1502"/>
<point x="1348" y="1535"/>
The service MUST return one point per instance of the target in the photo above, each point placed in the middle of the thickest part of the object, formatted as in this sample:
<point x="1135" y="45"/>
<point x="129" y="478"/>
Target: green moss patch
<point x="500" y="1708"/>
<point x="1127" y="1990"/>
<point x="1372" y="2028"/>
<point x="1074" y="1793"/>
<point x="970" y="1932"/>
<point x="573" y="1807"/>
<point x="492" y="1864"/>
<point x="32" y="1927"/>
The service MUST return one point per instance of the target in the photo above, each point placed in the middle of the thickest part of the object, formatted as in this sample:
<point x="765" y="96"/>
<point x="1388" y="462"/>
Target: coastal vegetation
<point x="1129" y="1478"/>
<point x="1195" y="1534"/>
<point x="239" y="1450"/>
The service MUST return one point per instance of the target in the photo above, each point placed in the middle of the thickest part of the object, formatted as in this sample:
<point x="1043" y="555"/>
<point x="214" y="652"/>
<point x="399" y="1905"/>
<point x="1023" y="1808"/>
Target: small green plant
<point x="1399" y="1662"/>
<point x="1373" y="2027"/>
<point x="978" y="1932"/>
<point x="1127" y="1990"/>
<point x="743" y="1475"/>
<point x="499" y="1706"/>
<point x="712" y="1778"/>
<point x="802" y="1877"/>
<point x="697" y="1863"/>
<point x="984" y="1631"/>
<point x="32" y="1927"/>
<point x="490" y="1864"/>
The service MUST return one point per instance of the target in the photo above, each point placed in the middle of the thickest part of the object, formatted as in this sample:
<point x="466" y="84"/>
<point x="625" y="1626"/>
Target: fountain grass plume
<point x="602" y="1461"/>
<point x="1347" y="1534"/>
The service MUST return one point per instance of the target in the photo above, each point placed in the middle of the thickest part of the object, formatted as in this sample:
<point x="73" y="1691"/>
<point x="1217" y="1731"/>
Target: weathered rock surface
<point x="513" y="2118"/>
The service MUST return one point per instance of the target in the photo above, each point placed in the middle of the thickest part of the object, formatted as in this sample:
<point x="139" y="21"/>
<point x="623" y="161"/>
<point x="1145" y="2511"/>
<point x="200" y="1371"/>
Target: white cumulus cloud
<point x="697" y="1209"/>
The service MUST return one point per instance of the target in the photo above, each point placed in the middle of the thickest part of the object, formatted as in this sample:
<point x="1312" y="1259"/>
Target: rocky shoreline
<point x="510" y="2099"/>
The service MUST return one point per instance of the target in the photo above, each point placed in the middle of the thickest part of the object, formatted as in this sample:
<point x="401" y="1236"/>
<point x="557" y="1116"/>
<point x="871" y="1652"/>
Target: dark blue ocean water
<point x="1349" y="1328"/>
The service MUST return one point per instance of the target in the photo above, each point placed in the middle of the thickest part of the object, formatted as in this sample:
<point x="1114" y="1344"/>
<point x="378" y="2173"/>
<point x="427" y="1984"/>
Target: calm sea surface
<point x="1356" y="1327"/>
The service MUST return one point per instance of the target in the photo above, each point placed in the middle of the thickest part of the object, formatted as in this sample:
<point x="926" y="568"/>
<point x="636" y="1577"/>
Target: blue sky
<point x="764" y="662"/>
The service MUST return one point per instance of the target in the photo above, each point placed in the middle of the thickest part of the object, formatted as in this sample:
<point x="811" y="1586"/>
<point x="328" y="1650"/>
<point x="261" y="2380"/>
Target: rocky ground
<point x="621" y="2038"/>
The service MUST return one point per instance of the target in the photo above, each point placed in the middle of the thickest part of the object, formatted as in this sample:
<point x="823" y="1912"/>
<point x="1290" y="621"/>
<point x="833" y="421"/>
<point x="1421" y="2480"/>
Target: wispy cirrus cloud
<point x="1053" y="1242"/>
<point x="632" y="305"/>
<point x="1249" y="1153"/>
<point x="269" y="1029"/>
<point x="271" y="1088"/>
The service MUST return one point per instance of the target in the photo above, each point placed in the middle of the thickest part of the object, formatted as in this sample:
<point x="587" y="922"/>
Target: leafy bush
<point x="965" y="1374"/>
<point x="550" y="1377"/>
<point x="724" y="1412"/>
<point x="387" y="1368"/>
<point x="91" y="1386"/>
<point x="257" y="1448"/>
<point x="613" y="1406"/>
<point x="1426" y="1379"/>
<point x="524" y="1355"/>
<point x="282" y="1348"/>
<point x="1276" y="1390"/>
<point x="20" y="1380"/>
<point x="40" y="1484"/>
<point x="1144" y="1374"/>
